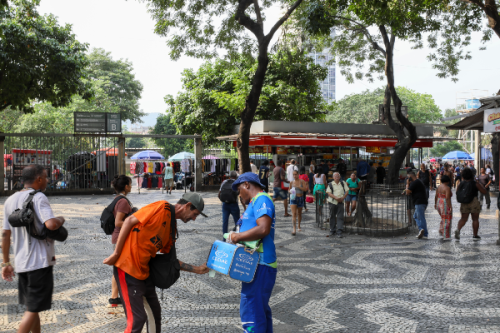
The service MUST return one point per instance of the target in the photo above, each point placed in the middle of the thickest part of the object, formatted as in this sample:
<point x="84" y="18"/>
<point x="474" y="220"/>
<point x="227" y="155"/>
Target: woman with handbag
<point x="319" y="186"/>
<point x="123" y="186"/>
<point x="298" y="188"/>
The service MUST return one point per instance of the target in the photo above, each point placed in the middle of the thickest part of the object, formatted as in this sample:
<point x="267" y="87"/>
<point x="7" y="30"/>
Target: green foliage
<point x="445" y="132"/>
<point x="442" y="149"/>
<point x="39" y="60"/>
<point x="120" y="85"/>
<point x="362" y="108"/>
<point x="214" y="96"/>
<point x="114" y="88"/>
<point x="170" y="146"/>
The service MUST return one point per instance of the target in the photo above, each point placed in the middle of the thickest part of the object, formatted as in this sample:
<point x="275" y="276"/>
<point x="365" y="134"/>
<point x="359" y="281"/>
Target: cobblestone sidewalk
<point x="356" y="284"/>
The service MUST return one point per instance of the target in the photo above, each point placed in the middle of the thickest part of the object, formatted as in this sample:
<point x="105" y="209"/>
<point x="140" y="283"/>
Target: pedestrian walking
<point x="143" y="234"/>
<point x="304" y="177"/>
<point x="415" y="187"/>
<point x="290" y="169"/>
<point x="298" y="189"/>
<point x="258" y="222"/>
<point x="264" y="175"/>
<point x="229" y="200"/>
<point x="319" y="186"/>
<point x="312" y="169"/>
<point x="123" y="186"/>
<point x="279" y="178"/>
<point x="485" y="180"/>
<point x="342" y="169"/>
<point x="469" y="204"/>
<point x="425" y="176"/>
<point x="458" y="176"/>
<point x="380" y="173"/>
<point x="352" y="196"/>
<point x="433" y="172"/>
<point x="372" y="175"/>
<point x="169" y="177"/>
<point x="33" y="258"/>
<point x="442" y="203"/>
<point x="337" y="191"/>
<point x="448" y="172"/>
<point x="474" y="171"/>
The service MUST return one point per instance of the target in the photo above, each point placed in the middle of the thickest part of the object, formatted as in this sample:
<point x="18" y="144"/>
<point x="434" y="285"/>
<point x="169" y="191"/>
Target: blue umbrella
<point x="147" y="155"/>
<point x="181" y="156"/>
<point x="458" y="155"/>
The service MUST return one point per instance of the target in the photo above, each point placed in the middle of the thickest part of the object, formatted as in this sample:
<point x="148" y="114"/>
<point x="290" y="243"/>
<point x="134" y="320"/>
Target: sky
<point x="126" y="29"/>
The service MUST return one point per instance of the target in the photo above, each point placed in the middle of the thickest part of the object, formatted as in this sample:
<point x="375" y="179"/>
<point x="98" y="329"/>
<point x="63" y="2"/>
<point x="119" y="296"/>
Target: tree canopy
<point x="214" y="96"/>
<point x="114" y="89"/>
<point x="40" y="61"/>
<point x="363" y="107"/>
<point x="441" y="149"/>
<point x="171" y="146"/>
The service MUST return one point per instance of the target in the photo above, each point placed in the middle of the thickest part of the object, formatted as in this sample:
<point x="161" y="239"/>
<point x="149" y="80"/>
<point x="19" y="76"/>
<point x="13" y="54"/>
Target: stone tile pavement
<point x="354" y="284"/>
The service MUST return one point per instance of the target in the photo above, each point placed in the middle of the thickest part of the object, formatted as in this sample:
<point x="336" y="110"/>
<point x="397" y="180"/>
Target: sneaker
<point x="424" y="237"/>
<point x="420" y="234"/>
<point x="447" y="238"/>
<point x="114" y="302"/>
<point x="332" y="233"/>
<point x="476" y="238"/>
<point x="488" y="207"/>
<point x="457" y="234"/>
<point x="339" y="234"/>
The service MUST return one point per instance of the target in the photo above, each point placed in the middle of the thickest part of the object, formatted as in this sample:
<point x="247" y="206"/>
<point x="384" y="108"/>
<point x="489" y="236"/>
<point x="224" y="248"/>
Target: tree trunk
<point x="252" y="101"/>
<point x="491" y="11"/>
<point x="405" y="140"/>
<point x="363" y="217"/>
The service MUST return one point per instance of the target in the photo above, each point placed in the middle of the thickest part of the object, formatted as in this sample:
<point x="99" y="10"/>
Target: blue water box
<point x="237" y="262"/>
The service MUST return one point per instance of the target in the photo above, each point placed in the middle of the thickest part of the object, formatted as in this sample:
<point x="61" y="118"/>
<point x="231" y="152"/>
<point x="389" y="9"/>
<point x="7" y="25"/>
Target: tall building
<point x="328" y="85"/>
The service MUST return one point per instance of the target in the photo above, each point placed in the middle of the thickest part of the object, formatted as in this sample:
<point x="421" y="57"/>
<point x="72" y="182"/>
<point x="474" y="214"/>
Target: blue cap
<point x="247" y="177"/>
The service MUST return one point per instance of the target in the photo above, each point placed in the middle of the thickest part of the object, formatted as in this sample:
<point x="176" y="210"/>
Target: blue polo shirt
<point x="259" y="207"/>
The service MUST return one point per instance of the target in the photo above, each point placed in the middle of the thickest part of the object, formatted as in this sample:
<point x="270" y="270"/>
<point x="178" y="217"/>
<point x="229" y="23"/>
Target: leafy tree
<point x="202" y="28"/>
<point x="114" y="88"/>
<point x="39" y="60"/>
<point x="215" y="95"/>
<point x="120" y="85"/>
<point x="171" y="146"/>
<point x="442" y="149"/>
<point x="363" y="107"/>
<point x="366" y="33"/>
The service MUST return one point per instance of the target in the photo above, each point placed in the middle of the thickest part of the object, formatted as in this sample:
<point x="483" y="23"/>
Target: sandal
<point x="299" y="230"/>
<point x="287" y="215"/>
<point x="293" y="233"/>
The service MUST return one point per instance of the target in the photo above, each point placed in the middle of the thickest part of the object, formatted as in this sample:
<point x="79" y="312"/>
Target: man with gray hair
<point x="229" y="200"/>
<point x="336" y="191"/>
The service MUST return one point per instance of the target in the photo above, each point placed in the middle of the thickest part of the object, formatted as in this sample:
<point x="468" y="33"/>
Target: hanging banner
<point x="491" y="120"/>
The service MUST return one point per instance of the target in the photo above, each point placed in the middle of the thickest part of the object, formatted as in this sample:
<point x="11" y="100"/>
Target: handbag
<point x="285" y="186"/>
<point x="164" y="268"/>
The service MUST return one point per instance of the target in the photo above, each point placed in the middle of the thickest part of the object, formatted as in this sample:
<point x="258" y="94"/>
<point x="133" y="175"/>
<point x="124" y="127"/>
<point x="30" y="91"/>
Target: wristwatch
<point x="6" y="264"/>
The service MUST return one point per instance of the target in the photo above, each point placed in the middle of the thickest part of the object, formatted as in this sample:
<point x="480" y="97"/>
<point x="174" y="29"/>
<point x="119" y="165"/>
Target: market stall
<point x="147" y="168"/>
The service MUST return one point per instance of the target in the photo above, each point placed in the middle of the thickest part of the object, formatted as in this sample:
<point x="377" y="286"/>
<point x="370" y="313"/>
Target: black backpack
<point x="164" y="268"/>
<point x="343" y="186"/>
<point x="107" y="217"/>
<point x="227" y="194"/>
<point x="466" y="192"/>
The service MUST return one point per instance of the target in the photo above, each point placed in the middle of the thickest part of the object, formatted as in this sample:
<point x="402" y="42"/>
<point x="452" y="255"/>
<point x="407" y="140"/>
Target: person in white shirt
<point x="289" y="171"/>
<point x="33" y="258"/>
<point x="254" y="168"/>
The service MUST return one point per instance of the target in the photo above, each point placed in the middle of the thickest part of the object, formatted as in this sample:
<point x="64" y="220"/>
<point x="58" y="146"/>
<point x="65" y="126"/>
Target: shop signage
<point x="97" y="122"/>
<point x="491" y="120"/>
<point x="373" y="150"/>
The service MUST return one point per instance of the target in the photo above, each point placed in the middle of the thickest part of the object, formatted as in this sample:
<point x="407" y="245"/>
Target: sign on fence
<point x="97" y="122"/>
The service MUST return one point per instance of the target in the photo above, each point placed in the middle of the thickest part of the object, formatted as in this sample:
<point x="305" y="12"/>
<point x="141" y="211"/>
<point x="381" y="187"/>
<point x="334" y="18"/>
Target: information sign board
<point x="97" y="122"/>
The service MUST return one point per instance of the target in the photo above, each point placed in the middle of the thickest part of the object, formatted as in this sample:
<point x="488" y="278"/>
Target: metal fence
<point x="73" y="162"/>
<point x="378" y="213"/>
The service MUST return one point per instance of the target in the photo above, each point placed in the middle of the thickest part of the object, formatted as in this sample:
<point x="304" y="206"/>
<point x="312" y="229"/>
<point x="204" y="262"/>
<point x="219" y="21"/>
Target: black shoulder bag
<point x="164" y="268"/>
<point x="25" y="217"/>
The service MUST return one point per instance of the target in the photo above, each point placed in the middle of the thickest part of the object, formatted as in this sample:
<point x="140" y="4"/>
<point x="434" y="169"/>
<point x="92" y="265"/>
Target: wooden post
<point x="477" y="152"/>
<point x="198" y="178"/>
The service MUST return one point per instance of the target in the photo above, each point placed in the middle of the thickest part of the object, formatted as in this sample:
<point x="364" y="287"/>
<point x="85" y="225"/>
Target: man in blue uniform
<point x="257" y="223"/>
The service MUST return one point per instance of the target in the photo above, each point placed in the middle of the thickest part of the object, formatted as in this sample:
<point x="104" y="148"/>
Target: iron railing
<point x="378" y="213"/>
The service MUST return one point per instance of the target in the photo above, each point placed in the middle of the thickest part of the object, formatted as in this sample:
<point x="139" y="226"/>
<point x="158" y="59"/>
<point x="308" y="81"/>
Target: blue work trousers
<point x="419" y="217"/>
<point x="255" y="312"/>
<point x="229" y="209"/>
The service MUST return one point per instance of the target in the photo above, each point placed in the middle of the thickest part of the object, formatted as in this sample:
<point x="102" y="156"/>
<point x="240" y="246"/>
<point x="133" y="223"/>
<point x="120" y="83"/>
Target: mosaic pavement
<point x="356" y="284"/>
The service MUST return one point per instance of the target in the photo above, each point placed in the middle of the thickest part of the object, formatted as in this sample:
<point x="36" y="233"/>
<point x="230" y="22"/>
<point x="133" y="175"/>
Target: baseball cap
<point x="247" y="177"/>
<point x="196" y="200"/>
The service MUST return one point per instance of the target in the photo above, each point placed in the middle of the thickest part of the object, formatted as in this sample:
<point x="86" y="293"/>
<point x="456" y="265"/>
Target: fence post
<point x="121" y="155"/>
<point x="198" y="172"/>
<point x="2" y="168"/>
